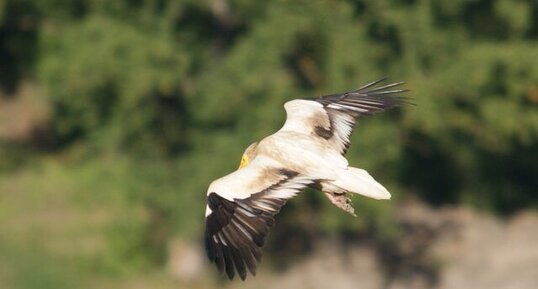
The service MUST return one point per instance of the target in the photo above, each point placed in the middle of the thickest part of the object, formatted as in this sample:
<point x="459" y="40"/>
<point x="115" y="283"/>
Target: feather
<point x="236" y="229"/>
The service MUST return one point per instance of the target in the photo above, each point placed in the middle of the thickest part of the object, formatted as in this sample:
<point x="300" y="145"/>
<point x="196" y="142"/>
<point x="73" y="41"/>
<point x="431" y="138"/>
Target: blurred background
<point x="116" y="115"/>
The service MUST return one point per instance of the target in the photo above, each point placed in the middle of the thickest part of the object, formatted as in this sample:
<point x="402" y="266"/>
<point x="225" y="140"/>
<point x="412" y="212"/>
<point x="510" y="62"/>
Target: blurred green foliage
<point x="152" y="99"/>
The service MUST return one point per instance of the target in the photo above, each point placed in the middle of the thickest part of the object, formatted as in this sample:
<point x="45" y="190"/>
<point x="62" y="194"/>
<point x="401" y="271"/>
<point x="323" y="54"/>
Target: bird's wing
<point x="332" y="117"/>
<point x="236" y="227"/>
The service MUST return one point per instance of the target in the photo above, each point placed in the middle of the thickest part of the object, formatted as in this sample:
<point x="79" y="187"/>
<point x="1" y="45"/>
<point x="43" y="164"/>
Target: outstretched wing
<point x="332" y="117"/>
<point x="236" y="227"/>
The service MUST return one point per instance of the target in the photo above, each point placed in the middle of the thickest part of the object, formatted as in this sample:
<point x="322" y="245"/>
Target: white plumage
<point x="307" y="151"/>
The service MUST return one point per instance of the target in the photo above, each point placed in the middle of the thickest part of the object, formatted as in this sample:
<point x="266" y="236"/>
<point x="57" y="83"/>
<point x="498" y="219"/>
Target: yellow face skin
<point x="244" y="161"/>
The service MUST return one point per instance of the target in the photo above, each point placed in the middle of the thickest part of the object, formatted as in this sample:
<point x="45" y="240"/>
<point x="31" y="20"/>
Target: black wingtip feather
<point x="381" y="92"/>
<point x="219" y="260"/>
<point x="390" y="85"/>
<point x="370" y="84"/>
<point x="368" y="99"/>
<point x="228" y="261"/>
<point x="210" y="248"/>
<point x="239" y="264"/>
<point x="236" y="230"/>
<point x="249" y="261"/>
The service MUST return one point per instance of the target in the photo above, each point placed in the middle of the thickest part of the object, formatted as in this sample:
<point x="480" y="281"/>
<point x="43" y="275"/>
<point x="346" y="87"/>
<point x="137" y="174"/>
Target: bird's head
<point x="248" y="155"/>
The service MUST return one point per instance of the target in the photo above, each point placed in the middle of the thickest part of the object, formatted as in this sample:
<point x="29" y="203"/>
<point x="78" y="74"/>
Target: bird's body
<point x="307" y="151"/>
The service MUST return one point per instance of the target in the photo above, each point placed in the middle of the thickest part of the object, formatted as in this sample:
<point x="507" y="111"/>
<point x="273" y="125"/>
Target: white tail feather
<point x="359" y="181"/>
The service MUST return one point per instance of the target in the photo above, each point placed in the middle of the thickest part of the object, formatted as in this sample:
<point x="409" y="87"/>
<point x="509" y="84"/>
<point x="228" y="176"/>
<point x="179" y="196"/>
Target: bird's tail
<point x="359" y="181"/>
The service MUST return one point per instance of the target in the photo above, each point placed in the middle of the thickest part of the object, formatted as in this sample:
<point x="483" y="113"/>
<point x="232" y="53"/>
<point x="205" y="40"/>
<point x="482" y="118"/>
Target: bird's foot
<point x="342" y="201"/>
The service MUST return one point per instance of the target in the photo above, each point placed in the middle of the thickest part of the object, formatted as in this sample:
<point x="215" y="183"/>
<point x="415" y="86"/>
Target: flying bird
<point x="308" y="151"/>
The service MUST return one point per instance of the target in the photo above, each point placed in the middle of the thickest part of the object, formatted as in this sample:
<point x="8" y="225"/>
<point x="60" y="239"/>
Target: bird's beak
<point x="244" y="161"/>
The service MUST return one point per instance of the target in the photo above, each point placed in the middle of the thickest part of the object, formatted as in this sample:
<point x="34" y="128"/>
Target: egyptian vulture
<point x="308" y="151"/>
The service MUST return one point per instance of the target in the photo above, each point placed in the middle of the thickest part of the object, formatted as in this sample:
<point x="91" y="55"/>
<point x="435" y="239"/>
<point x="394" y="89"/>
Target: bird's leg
<point x="342" y="201"/>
